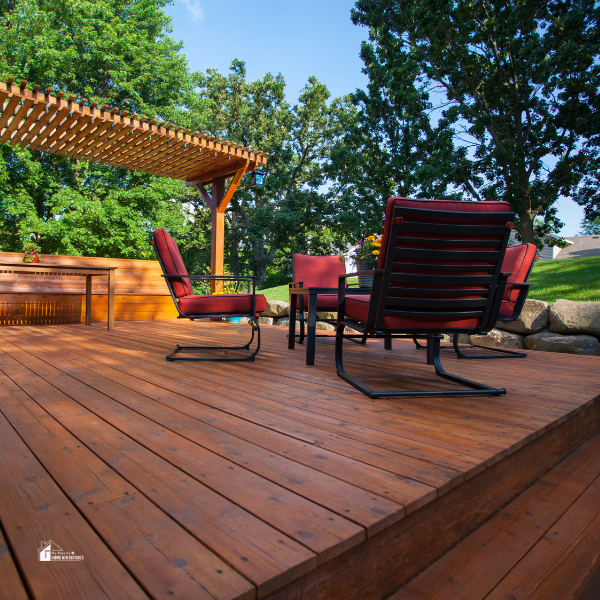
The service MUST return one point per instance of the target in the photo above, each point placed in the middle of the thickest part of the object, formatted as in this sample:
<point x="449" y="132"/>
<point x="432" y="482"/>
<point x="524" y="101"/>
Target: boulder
<point x="324" y="326"/>
<point x="498" y="338"/>
<point x="546" y="341"/>
<point x="327" y="315"/>
<point x="575" y="317"/>
<point x="533" y="318"/>
<point x="265" y="320"/>
<point x="283" y="322"/>
<point x="276" y="308"/>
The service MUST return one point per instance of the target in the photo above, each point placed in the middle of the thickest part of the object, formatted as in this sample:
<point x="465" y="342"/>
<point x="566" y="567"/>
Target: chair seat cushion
<point x="327" y="302"/>
<point x="221" y="304"/>
<point x="357" y="308"/>
<point x="507" y="309"/>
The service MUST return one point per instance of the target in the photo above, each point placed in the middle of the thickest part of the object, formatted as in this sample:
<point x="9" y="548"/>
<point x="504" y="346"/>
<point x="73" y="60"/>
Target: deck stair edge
<point x="544" y="544"/>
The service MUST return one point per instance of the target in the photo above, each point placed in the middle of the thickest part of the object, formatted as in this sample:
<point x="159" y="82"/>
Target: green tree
<point x="292" y="212"/>
<point x="519" y="79"/>
<point x="590" y="227"/>
<point x="115" y="53"/>
<point x="389" y="146"/>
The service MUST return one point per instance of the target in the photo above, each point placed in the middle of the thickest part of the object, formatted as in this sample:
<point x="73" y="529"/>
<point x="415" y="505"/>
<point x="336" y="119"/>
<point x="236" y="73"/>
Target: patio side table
<point x="311" y="293"/>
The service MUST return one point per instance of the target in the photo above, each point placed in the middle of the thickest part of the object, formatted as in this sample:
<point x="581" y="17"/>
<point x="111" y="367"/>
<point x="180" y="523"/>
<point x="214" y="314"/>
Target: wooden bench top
<point x="139" y="277"/>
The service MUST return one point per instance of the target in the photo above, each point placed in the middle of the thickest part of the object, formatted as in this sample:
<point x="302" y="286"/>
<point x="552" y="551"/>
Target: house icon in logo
<point x="46" y="549"/>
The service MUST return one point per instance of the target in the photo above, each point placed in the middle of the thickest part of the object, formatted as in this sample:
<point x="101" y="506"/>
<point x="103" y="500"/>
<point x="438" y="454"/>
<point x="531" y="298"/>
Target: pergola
<point x="59" y="125"/>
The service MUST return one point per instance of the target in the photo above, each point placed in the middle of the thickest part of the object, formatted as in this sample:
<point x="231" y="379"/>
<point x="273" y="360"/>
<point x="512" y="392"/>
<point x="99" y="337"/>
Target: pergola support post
<point x="217" y="234"/>
<point x="218" y="201"/>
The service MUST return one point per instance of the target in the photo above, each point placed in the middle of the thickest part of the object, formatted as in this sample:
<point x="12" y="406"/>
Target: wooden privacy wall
<point x="140" y="292"/>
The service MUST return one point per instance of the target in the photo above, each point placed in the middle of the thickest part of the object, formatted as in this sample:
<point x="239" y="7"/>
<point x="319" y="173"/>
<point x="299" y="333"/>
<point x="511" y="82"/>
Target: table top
<point x="328" y="290"/>
<point x="314" y="290"/>
<point x="21" y="267"/>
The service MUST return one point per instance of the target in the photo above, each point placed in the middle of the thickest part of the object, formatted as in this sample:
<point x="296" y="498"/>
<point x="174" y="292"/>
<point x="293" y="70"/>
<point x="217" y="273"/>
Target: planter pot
<point x="363" y="280"/>
<point x="31" y="257"/>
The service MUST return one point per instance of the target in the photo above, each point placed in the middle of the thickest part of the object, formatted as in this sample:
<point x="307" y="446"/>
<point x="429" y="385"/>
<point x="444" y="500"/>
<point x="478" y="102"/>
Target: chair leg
<point x="418" y="344"/>
<point x="500" y="352"/>
<point x="433" y="357"/>
<point x="255" y="329"/>
<point x="301" y="319"/>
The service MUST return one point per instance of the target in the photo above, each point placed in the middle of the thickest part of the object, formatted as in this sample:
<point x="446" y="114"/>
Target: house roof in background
<point x="58" y="125"/>
<point x="581" y="246"/>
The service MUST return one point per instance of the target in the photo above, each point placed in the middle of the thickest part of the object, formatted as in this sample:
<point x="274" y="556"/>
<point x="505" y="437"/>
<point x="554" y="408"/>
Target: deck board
<point x="273" y="470"/>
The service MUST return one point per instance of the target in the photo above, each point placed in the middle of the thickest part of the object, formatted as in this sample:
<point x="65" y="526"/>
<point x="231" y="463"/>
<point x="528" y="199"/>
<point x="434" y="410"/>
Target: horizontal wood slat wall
<point x="140" y="292"/>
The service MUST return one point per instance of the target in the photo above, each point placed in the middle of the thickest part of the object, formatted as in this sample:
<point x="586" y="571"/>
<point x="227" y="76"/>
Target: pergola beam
<point x="60" y="126"/>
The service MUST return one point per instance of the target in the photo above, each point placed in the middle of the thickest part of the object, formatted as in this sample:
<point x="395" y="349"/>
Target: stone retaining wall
<point x="565" y="326"/>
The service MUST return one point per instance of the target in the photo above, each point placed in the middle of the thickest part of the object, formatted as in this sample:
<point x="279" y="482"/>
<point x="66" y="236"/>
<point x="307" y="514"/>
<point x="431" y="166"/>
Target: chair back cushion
<point x="171" y="262"/>
<point x="442" y="260"/>
<point x="518" y="261"/>
<point x="318" y="271"/>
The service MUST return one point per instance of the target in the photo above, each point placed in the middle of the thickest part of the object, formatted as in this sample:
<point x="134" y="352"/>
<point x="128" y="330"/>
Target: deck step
<point x="544" y="544"/>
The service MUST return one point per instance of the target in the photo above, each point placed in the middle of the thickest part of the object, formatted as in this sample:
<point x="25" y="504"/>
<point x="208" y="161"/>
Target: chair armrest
<point x="213" y="277"/>
<point x="296" y="284"/>
<point x="372" y="272"/>
<point x="519" y="303"/>
<point x="496" y="304"/>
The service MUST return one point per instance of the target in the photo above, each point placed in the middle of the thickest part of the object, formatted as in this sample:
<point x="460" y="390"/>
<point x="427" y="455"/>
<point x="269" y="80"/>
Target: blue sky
<point x="296" y="39"/>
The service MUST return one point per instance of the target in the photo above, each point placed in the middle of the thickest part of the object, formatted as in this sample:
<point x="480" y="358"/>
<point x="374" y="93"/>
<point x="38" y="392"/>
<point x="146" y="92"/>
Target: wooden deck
<point x="255" y="480"/>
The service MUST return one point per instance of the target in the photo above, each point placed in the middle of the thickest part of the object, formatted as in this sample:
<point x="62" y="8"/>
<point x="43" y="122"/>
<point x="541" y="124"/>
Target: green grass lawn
<point x="575" y="279"/>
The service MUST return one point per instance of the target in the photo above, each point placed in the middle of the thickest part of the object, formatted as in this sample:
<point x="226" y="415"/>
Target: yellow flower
<point x="376" y="243"/>
<point x="370" y="238"/>
<point x="375" y="252"/>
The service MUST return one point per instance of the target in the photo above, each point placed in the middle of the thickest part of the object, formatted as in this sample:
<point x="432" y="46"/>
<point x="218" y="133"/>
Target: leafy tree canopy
<point x="292" y="213"/>
<point x="114" y="52"/>
<point x="518" y="78"/>
<point x="389" y="146"/>
<point x="590" y="227"/>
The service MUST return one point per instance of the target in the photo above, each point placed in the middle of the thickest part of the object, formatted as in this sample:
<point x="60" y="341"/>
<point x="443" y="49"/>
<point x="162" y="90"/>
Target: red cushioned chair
<point x="317" y="271"/>
<point x="196" y="306"/>
<point x="439" y="272"/>
<point x="518" y="261"/>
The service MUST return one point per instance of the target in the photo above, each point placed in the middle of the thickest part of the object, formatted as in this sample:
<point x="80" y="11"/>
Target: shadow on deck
<point x="254" y="480"/>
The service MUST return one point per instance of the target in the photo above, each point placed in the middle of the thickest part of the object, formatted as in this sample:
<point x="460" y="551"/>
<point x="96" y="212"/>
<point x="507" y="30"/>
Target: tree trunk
<point x="525" y="227"/>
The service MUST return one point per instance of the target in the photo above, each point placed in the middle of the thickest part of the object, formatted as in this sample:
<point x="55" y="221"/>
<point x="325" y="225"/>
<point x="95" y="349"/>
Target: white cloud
<point x="195" y="9"/>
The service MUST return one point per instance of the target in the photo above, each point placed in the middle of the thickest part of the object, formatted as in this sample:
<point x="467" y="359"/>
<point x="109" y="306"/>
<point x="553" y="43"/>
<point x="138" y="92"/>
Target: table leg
<point x="301" y="317"/>
<point x="88" y="299"/>
<point x="111" y="300"/>
<point x="311" y="329"/>
<point x="292" y="325"/>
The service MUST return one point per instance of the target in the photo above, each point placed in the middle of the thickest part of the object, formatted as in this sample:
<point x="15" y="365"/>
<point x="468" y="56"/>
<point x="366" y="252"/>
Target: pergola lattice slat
<point x="60" y="126"/>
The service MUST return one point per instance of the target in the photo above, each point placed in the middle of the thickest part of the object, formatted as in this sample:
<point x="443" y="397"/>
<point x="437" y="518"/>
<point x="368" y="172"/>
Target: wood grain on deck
<point x="233" y="480"/>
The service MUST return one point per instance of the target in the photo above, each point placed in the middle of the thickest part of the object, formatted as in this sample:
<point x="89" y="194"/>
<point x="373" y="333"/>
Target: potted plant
<point x="31" y="251"/>
<point x="366" y="257"/>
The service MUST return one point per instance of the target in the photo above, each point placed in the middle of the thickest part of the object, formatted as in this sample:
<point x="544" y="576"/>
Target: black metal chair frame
<point x="250" y="316"/>
<point x="488" y="309"/>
